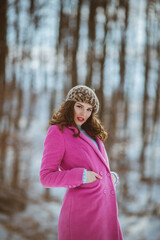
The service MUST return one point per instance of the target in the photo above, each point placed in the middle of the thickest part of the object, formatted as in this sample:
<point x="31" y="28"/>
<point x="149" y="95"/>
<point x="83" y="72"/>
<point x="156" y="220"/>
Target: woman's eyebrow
<point x="83" y="106"/>
<point x="79" y="104"/>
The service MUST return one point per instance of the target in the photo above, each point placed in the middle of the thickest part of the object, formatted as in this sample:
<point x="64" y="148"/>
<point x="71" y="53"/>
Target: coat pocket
<point x="91" y="184"/>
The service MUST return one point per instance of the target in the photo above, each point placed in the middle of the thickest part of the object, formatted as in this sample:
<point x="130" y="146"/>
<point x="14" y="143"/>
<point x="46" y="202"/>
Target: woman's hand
<point x="113" y="178"/>
<point x="92" y="176"/>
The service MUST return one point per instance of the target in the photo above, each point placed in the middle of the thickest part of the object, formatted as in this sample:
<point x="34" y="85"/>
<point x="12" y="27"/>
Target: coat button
<point x="104" y="191"/>
<point x="112" y="192"/>
<point x="70" y="186"/>
<point x="74" y="185"/>
<point x="101" y="173"/>
<point x="108" y="174"/>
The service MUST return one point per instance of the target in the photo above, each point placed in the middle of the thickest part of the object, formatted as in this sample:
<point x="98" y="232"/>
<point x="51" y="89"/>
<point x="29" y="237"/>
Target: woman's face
<point x="82" y="111"/>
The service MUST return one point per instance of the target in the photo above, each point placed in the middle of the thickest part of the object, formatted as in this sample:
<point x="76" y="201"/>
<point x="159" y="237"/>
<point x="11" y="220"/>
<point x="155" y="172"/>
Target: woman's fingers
<point x="97" y="176"/>
<point x="91" y="176"/>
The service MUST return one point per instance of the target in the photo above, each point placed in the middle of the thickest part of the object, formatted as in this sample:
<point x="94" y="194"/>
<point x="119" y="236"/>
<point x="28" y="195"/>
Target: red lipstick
<point x="80" y="119"/>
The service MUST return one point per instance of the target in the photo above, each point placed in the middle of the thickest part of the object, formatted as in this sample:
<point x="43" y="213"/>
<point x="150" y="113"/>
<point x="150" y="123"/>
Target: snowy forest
<point x="47" y="47"/>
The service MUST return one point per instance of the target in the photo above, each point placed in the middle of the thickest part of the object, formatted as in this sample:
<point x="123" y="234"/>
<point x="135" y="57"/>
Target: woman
<point x="74" y="157"/>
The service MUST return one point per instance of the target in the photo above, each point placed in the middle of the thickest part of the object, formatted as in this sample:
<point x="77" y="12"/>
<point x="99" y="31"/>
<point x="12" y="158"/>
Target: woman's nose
<point x="83" y="112"/>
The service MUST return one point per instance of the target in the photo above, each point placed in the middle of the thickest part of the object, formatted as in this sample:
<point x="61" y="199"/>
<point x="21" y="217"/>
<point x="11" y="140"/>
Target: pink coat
<point x="89" y="210"/>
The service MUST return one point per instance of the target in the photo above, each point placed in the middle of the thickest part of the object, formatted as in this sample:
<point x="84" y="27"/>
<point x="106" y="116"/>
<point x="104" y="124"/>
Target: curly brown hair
<point x="65" y="117"/>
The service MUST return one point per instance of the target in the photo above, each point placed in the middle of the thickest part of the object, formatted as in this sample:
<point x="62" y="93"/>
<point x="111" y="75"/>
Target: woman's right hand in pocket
<point x="92" y="176"/>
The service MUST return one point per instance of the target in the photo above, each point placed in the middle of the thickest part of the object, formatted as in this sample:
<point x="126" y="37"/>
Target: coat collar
<point x="99" y="151"/>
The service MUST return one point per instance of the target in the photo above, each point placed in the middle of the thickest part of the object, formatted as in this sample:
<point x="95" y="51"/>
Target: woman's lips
<point x="80" y="119"/>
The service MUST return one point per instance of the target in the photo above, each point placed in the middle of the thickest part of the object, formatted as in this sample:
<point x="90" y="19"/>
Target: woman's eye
<point x="90" y="110"/>
<point x="79" y="106"/>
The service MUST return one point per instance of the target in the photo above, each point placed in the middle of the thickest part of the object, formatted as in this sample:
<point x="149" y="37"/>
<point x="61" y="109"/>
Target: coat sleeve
<point x="54" y="149"/>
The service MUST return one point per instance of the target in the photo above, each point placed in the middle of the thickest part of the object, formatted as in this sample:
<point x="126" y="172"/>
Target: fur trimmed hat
<point x="82" y="93"/>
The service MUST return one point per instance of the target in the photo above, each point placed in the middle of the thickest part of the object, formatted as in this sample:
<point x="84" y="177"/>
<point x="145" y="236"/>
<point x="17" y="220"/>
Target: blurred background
<point x="47" y="47"/>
